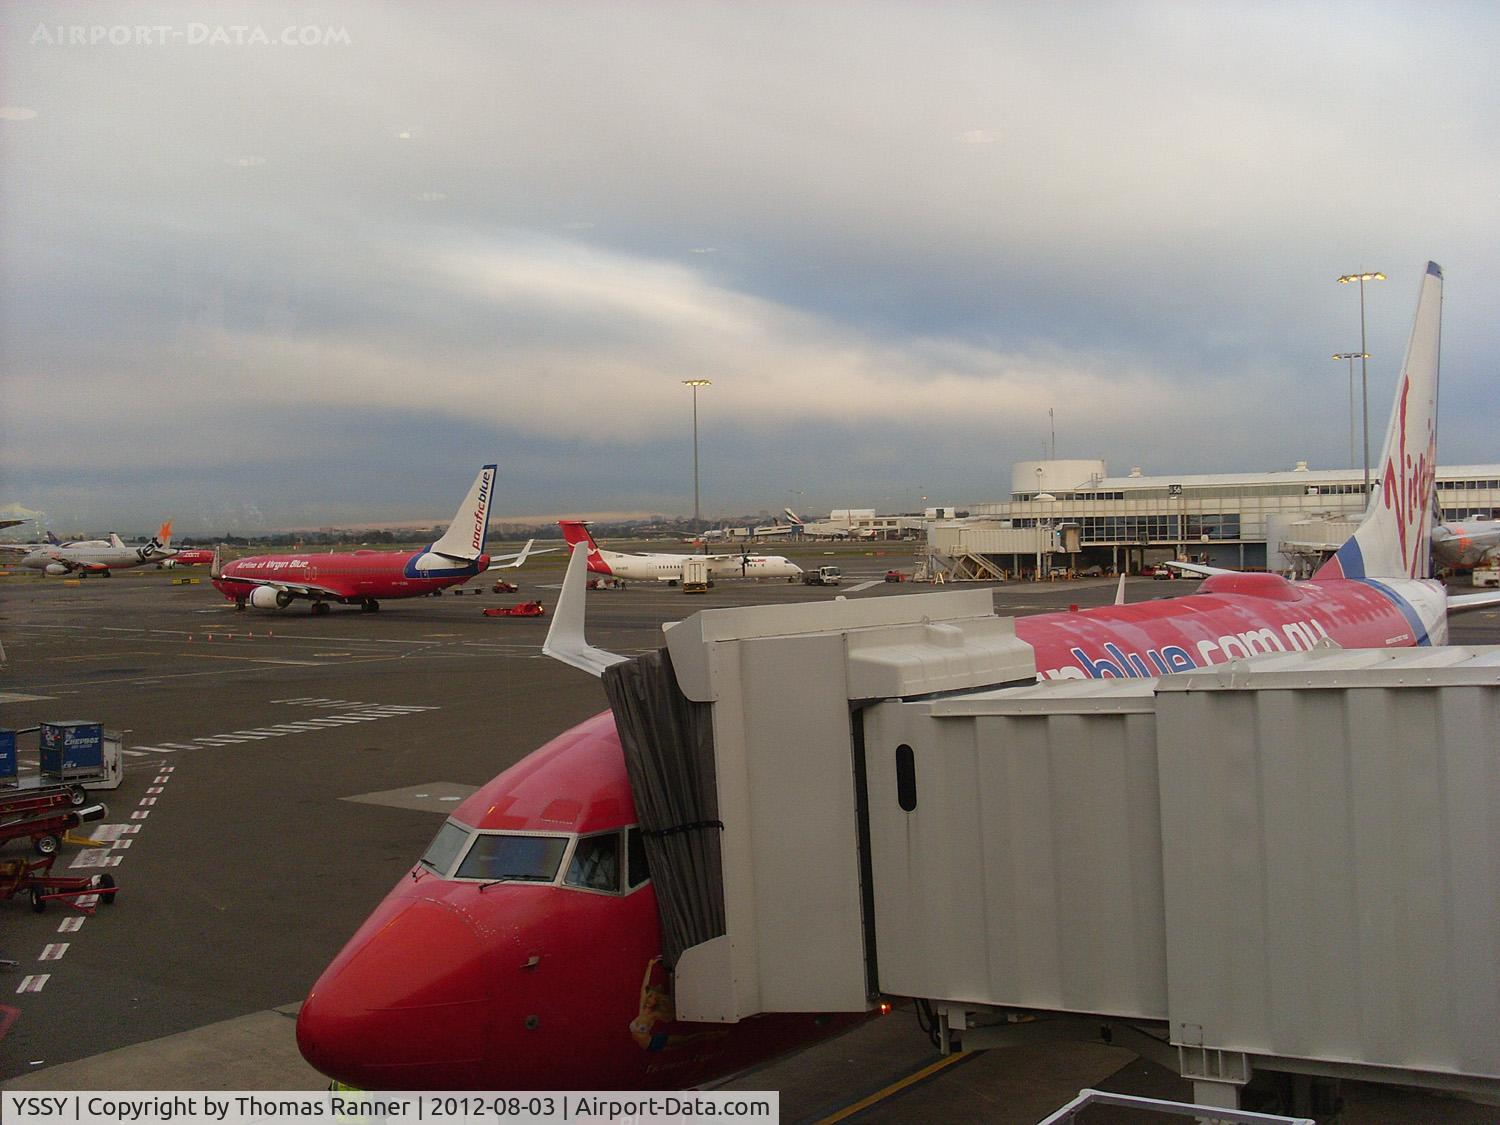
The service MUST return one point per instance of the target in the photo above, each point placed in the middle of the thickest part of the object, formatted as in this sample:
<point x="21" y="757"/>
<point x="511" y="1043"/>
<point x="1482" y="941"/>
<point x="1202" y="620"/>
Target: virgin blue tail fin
<point x="1393" y="539"/>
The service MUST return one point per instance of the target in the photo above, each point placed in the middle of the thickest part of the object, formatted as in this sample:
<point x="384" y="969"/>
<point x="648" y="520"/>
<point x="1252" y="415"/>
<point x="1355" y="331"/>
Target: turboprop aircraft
<point x="364" y="578"/>
<point x="523" y="950"/>
<point x="668" y="567"/>
<point x="82" y="559"/>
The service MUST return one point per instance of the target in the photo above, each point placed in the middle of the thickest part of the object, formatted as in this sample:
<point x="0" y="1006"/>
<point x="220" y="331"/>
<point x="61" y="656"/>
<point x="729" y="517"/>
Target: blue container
<point x="7" y="755"/>
<point x="74" y="746"/>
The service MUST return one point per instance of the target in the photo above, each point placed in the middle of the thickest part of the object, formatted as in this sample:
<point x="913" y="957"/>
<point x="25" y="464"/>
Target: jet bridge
<point x="1289" y="864"/>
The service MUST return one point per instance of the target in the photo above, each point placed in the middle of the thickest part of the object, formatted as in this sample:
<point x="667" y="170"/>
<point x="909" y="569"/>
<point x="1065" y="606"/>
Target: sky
<point x="300" y="265"/>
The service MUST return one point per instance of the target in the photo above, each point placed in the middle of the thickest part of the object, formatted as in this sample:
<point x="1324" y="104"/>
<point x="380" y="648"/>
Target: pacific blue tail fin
<point x="466" y="534"/>
<point x="1393" y="539"/>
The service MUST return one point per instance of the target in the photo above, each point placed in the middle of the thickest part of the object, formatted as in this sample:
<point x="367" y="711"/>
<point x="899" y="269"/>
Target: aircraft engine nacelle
<point x="54" y="568"/>
<point x="166" y="564"/>
<point x="264" y="597"/>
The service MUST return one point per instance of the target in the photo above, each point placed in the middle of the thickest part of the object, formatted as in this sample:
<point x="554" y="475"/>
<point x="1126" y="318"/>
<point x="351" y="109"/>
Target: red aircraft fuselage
<point x="350" y="576"/>
<point x="458" y="983"/>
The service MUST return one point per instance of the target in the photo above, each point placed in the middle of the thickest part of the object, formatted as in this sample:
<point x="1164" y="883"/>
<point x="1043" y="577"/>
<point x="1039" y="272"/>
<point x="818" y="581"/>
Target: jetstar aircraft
<point x="668" y="567"/>
<point x="523" y="951"/>
<point x="81" y="559"/>
<point x="364" y="578"/>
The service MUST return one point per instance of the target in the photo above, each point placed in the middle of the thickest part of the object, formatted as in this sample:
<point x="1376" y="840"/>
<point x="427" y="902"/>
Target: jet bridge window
<point x="524" y="859"/>
<point x="596" y="863"/>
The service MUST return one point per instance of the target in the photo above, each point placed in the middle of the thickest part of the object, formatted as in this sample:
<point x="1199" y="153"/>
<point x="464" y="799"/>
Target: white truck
<point x="822" y="576"/>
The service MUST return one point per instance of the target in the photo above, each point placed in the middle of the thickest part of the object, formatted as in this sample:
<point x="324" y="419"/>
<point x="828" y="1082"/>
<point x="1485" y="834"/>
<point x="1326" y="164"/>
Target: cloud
<point x="893" y="236"/>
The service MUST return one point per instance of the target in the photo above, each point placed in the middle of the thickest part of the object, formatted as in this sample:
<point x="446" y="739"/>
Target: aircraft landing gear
<point x="369" y="605"/>
<point x="319" y="608"/>
<point x="106" y="574"/>
<point x="239" y="605"/>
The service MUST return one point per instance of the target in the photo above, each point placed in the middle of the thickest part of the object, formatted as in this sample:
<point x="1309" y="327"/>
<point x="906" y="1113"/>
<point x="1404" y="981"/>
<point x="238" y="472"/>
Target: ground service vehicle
<point x="823" y="576"/>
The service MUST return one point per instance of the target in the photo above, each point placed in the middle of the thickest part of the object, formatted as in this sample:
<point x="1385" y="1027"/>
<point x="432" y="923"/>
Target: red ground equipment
<point x="520" y="609"/>
<point x="504" y="587"/>
<point x="35" y="877"/>
<point x="43" y="815"/>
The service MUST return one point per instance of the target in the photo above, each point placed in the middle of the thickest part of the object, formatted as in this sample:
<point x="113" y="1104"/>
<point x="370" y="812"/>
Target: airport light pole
<point x="1364" y="371"/>
<point x="695" y="384"/>
<point x="1351" y="357"/>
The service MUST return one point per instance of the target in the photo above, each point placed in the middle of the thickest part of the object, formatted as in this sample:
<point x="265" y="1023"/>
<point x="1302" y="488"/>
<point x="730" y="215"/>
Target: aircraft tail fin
<point x="576" y="532"/>
<point x="470" y="526"/>
<point x="115" y="540"/>
<point x="1393" y="539"/>
<point x="795" y="519"/>
<point x="52" y="540"/>
<point x="164" y="535"/>
<point x="216" y="567"/>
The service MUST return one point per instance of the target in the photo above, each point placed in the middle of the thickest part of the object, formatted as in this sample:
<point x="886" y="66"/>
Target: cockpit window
<point x="532" y="859"/>
<point x="636" y="845"/>
<point x="445" y="847"/>
<point x="596" y="863"/>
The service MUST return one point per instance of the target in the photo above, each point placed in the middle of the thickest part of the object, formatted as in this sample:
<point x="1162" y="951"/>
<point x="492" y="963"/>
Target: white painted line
<point x="130" y="829"/>
<point x="153" y="790"/>
<point x="140" y="814"/>
<point x="148" y="801"/>
<point x="54" y="951"/>
<point x="163" y="779"/>
<point x="158" y="750"/>
<point x="134" y="753"/>
<point x="108" y="831"/>
<point x="91" y="857"/>
<point x="179" y="745"/>
<point x="167" y="769"/>
<point x="248" y="734"/>
<point x="295" y="699"/>
<point x="70" y="925"/>
<point x="863" y="586"/>
<point x="121" y="844"/>
<point x="219" y="740"/>
<point x="269" y="732"/>
<point x="34" y="983"/>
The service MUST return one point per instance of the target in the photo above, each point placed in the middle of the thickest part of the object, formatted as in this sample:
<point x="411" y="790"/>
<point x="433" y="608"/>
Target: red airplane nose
<point x="406" y="1005"/>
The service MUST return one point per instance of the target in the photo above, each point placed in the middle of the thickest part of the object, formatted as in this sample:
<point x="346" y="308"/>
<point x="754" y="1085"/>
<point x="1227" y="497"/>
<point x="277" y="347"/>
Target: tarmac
<point x="296" y="765"/>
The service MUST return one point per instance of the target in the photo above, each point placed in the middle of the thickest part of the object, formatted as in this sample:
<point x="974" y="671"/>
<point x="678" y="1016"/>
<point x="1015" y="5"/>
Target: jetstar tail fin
<point x="1393" y="539"/>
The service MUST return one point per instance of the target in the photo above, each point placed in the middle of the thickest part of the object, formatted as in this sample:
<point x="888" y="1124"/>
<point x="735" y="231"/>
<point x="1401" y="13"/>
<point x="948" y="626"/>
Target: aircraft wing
<point x="501" y="562"/>
<point x="1464" y="602"/>
<point x="1197" y="568"/>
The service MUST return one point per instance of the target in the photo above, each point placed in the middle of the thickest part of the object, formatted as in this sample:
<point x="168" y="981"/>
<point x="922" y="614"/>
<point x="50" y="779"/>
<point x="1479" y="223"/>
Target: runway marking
<point x="34" y="983"/>
<point x="134" y="753"/>
<point x="97" y="857"/>
<point x="154" y="790"/>
<point x="148" y="801"/>
<point x="139" y="814"/>
<point x="19" y="697"/>
<point x="865" y="586"/>
<point x="54" y="951"/>
<point x="70" y="925"/>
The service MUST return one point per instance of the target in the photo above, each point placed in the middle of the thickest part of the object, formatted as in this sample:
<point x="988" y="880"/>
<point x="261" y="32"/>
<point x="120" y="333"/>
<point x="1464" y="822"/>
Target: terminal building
<point x="1069" y="514"/>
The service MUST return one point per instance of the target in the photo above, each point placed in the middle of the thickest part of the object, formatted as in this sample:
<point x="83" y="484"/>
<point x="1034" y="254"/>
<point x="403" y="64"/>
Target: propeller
<point x="744" y="561"/>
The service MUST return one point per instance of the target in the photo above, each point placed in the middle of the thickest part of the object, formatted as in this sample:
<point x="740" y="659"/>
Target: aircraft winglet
<point x="565" y="640"/>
